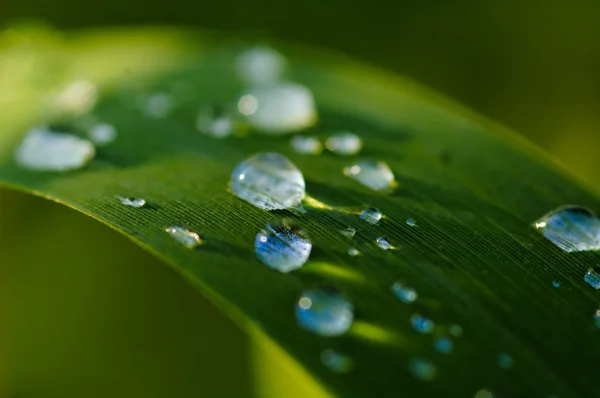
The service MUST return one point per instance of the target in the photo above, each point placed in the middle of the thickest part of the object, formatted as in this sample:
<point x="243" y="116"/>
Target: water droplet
<point x="421" y="324"/>
<point x="282" y="247"/>
<point x="422" y="369"/>
<point x="411" y="222"/>
<point x="353" y="252"/>
<point x="372" y="174"/>
<point x="102" y="134"/>
<point x="444" y="345"/>
<point x="158" y="106"/>
<point x="306" y="145"/>
<point x="344" y="144"/>
<point x="260" y="65"/>
<point x="484" y="394"/>
<point x="187" y="238"/>
<point x="597" y="318"/>
<point x="279" y="108"/>
<point x="215" y="121"/>
<point x="505" y="361"/>
<point x="371" y="215"/>
<point x="556" y="284"/>
<point x="455" y="330"/>
<point x="404" y="293"/>
<point x="132" y="202"/>
<point x="336" y="362"/>
<point x="592" y="277"/>
<point x="76" y="97"/>
<point x="349" y="232"/>
<point x="45" y="150"/>
<point x="269" y="181"/>
<point x="324" y="312"/>
<point x="383" y="243"/>
<point x="571" y="228"/>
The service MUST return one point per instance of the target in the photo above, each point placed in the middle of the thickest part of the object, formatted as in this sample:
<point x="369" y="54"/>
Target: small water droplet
<point x="158" y="106"/>
<point x="344" y="144"/>
<point x="421" y="324"/>
<point x="375" y="175"/>
<point x="455" y="330"/>
<point x="306" y="145"/>
<point x="422" y="369"/>
<point x="443" y="345"/>
<point x="371" y="215"/>
<point x="324" y="312"/>
<point x="411" y="222"/>
<point x="505" y="361"/>
<point x="353" y="252"/>
<point x="278" y="108"/>
<point x="336" y="362"/>
<point x="383" y="243"/>
<point x="556" y="284"/>
<point x="597" y="318"/>
<point x="215" y="121"/>
<point x="592" y="277"/>
<point x="269" y="181"/>
<point x="45" y="150"/>
<point x="484" y="394"/>
<point x="282" y="247"/>
<point x="132" y="202"/>
<point x="102" y="134"/>
<point x="260" y="65"/>
<point x="187" y="238"/>
<point x="404" y="293"/>
<point x="349" y="232"/>
<point x="572" y="228"/>
<point x="76" y="97"/>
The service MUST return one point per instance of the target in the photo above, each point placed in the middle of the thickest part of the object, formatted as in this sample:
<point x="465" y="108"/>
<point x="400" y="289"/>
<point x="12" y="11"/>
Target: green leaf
<point x="473" y="188"/>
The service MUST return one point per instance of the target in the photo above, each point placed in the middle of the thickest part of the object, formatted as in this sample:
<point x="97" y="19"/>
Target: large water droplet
<point x="306" y="145"/>
<point x="404" y="293"/>
<point x="572" y="228"/>
<point x="592" y="277"/>
<point x="187" y="238"/>
<point x="269" y="181"/>
<point x="102" y="134"/>
<point x="279" y="108"/>
<point x="44" y="150"/>
<point x="421" y="324"/>
<point x="349" y="232"/>
<point x="215" y="121"/>
<point x="371" y="215"/>
<point x="383" y="243"/>
<point x="344" y="144"/>
<point x="132" y="202"/>
<point x="260" y="65"/>
<point x="375" y="175"/>
<point x="158" y="105"/>
<point x="325" y="312"/>
<point x="336" y="362"/>
<point x="505" y="361"/>
<point x="443" y="345"/>
<point x="422" y="369"/>
<point x="282" y="247"/>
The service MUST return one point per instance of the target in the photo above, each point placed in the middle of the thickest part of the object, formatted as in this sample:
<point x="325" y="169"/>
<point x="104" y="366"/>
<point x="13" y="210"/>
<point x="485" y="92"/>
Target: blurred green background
<point x="88" y="314"/>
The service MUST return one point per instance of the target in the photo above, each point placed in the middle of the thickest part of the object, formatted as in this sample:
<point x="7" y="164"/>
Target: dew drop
<point x="404" y="293"/>
<point x="336" y="362"/>
<point x="102" y="134"/>
<point x="383" y="243"/>
<point x="132" y="202"/>
<point x="371" y="215"/>
<point x="443" y="345"/>
<point x="269" y="181"/>
<point x="505" y="361"/>
<point x="572" y="228"/>
<point x="306" y="145"/>
<point x="556" y="284"/>
<point x="375" y="175"/>
<point x="349" y="232"/>
<point x="592" y="277"/>
<point x="421" y="324"/>
<point x="260" y="65"/>
<point x="455" y="330"/>
<point x="187" y="238"/>
<point x="158" y="106"/>
<point x="215" y="121"/>
<point x="45" y="150"/>
<point x="324" y="312"/>
<point x="353" y="252"/>
<point x="422" y="369"/>
<point x="344" y="144"/>
<point x="411" y="222"/>
<point x="279" y="108"/>
<point x="282" y="247"/>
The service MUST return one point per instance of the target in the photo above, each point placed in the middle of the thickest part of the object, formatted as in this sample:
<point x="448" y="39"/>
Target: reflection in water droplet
<point x="336" y="362"/>
<point x="592" y="277"/>
<point x="260" y="65"/>
<point x="187" y="238"/>
<point x="571" y="228"/>
<point x="372" y="174"/>
<point x="158" y="106"/>
<point x="371" y="215"/>
<point x="76" y="97"/>
<point x="444" y="345"/>
<point x="344" y="144"/>
<point x="306" y="145"/>
<point x="422" y="369"/>
<point x="353" y="252"/>
<point x="269" y="181"/>
<point x="324" y="312"/>
<point x="132" y="202"/>
<point x="411" y="222"/>
<point x="214" y="121"/>
<point x="383" y="243"/>
<point x="278" y="108"/>
<point x="44" y="150"/>
<point x="484" y="394"/>
<point x="505" y="361"/>
<point x="556" y="284"/>
<point x="349" y="232"/>
<point x="102" y="134"/>
<point x="282" y="247"/>
<point x="404" y="293"/>
<point x="455" y="330"/>
<point x="421" y="324"/>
